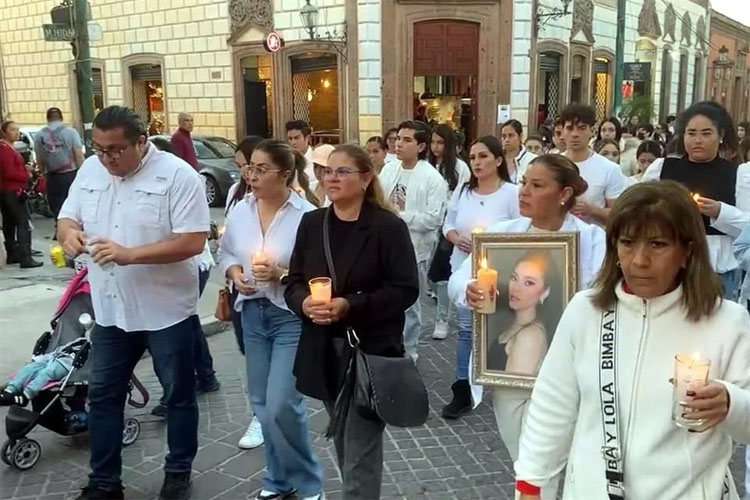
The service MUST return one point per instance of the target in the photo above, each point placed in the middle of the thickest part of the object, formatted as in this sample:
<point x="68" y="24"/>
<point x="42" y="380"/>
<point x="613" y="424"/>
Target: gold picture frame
<point x="537" y="277"/>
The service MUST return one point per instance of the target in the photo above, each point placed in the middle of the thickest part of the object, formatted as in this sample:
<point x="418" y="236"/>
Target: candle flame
<point x="484" y="263"/>
<point x="696" y="356"/>
<point x="477" y="230"/>
<point x="696" y="196"/>
<point x="222" y="230"/>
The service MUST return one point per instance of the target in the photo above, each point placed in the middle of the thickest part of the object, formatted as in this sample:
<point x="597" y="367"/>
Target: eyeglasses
<point x="260" y="171"/>
<point x="113" y="153"/>
<point x="338" y="172"/>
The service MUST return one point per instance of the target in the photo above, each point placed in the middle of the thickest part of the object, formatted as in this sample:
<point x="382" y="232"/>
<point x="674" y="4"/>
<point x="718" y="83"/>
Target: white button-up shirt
<point x="244" y="236"/>
<point x="163" y="198"/>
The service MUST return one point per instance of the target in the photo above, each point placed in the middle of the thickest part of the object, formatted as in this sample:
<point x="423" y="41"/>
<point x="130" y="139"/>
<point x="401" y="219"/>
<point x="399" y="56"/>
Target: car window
<point x="203" y="152"/>
<point x="224" y="149"/>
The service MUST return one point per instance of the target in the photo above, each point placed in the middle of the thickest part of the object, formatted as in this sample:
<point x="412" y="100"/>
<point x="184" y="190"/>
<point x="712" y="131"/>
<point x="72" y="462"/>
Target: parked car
<point x="215" y="163"/>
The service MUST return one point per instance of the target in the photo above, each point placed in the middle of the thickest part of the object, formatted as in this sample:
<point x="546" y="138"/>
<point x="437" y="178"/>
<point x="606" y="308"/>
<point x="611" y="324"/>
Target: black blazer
<point x="377" y="274"/>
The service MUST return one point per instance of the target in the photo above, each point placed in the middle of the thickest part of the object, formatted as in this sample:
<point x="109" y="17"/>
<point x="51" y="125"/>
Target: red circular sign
<point x="273" y="42"/>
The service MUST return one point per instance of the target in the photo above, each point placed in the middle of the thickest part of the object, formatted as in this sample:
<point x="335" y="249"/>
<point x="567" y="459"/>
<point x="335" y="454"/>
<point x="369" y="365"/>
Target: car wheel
<point x="212" y="192"/>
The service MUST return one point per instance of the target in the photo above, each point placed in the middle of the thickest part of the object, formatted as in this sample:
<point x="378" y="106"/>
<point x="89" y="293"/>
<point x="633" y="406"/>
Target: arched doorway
<point x="257" y="89"/>
<point x="145" y="90"/>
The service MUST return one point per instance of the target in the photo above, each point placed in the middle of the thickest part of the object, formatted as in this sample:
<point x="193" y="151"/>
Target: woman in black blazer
<point x="377" y="281"/>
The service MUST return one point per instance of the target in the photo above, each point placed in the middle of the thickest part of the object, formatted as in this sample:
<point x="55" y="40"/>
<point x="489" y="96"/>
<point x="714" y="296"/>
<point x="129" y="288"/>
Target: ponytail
<point x="299" y="175"/>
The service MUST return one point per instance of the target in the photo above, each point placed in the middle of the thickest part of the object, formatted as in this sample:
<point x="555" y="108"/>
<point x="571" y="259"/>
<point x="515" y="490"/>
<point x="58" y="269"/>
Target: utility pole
<point x="619" y="56"/>
<point x="82" y="54"/>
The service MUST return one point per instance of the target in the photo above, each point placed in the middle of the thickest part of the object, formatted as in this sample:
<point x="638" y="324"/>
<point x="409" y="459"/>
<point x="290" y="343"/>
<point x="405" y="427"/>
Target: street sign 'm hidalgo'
<point x="58" y="32"/>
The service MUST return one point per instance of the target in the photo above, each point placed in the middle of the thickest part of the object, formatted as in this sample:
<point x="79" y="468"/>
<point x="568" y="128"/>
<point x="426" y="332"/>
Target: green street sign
<point x="58" y="32"/>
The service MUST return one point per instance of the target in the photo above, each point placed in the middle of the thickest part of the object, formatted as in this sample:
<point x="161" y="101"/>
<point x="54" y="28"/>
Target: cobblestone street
<point x="462" y="459"/>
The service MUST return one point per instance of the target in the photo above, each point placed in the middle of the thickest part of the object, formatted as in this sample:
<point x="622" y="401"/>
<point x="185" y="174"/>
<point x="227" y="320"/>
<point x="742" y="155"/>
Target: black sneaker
<point x="160" y="411"/>
<point x="212" y="386"/>
<point x="461" y="402"/>
<point x="89" y="493"/>
<point x="176" y="486"/>
<point x="10" y="399"/>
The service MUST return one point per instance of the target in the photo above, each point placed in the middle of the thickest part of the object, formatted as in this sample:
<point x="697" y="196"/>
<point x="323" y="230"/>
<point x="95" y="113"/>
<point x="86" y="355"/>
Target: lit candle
<point x="320" y="289"/>
<point x="477" y="230"/>
<point x="222" y="230"/>
<point x="690" y="371"/>
<point x="487" y="282"/>
<point x="696" y="197"/>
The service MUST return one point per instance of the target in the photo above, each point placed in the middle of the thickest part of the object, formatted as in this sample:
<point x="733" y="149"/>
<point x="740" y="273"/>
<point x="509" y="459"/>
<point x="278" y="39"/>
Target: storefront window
<point x="148" y="96"/>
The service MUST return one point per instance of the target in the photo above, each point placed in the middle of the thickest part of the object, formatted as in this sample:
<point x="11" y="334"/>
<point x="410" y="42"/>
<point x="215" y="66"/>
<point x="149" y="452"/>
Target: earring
<point x="562" y="203"/>
<point x="541" y="301"/>
<point x="618" y="264"/>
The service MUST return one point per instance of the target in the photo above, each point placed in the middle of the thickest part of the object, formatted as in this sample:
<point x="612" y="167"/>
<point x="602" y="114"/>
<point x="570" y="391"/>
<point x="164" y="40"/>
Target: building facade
<point x="728" y="76"/>
<point x="353" y="68"/>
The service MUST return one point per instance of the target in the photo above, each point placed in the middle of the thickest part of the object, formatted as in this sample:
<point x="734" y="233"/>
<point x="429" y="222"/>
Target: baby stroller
<point x="61" y="405"/>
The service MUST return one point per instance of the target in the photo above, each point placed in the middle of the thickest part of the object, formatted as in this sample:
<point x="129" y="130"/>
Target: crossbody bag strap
<point x="327" y="247"/>
<point x="612" y="448"/>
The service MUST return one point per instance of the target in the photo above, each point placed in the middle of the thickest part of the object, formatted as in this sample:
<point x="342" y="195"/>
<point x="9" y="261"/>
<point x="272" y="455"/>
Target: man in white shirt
<point x="604" y="178"/>
<point x="141" y="216"/>
<point x="298" y="136"/>
<point x="420" y="193"/>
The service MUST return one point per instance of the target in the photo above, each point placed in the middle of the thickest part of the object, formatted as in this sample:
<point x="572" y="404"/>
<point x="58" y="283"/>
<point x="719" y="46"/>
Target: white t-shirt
<point x="166" y="196"/>
<point x="468" y="210"/>
<point x="398" y="195"/>
<point x="604" y="178"/>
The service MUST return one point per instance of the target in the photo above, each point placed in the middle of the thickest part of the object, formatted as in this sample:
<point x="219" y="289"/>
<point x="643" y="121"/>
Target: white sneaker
<point x="441" y="330"/>
<point x="253" y="437"/>
<point x="319" y="496"/>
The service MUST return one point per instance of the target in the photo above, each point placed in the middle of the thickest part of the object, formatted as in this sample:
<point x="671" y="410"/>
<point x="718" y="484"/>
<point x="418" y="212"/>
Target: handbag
<point x="224" y="305"/>
<point x="384" y="388"/>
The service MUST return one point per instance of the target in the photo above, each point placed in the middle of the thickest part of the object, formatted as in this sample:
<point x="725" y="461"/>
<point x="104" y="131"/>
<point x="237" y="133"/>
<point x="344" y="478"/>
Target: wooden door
<point x="446" y="48"/>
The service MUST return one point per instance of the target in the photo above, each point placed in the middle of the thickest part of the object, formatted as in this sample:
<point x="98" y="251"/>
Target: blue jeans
<point x="32" y="377"/>
<point x="730" y="282"/>
<point x="413" y="315"/>
<point x="464" y="343"/>
<point x="271" y="338"/>
<point x="114" y="354"/>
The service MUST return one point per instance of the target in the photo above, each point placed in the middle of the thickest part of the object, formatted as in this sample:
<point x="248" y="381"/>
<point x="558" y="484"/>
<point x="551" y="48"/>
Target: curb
<point x="212" y="326"/>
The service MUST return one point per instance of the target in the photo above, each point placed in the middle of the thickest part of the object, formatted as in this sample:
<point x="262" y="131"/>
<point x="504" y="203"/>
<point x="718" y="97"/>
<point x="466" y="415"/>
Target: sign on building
<point x="637" y="71"/>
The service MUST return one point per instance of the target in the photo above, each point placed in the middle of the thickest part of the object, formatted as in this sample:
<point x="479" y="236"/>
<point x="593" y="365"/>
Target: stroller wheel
<point x="25" y="454"/>
<point x="5" y="455"/>
<point x="131" y="429"/>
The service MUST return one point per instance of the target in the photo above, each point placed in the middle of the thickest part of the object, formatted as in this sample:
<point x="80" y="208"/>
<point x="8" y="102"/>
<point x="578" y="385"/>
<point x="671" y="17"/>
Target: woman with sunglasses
<point x="254" y="254"/>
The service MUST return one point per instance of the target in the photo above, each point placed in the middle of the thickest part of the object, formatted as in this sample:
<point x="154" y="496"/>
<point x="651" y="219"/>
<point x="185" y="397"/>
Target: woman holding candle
<point x="489" y="197"/>
<point x="547" y="193"/>
<point x="254" y="252"/>
<point x="703" y="131"/>
<point x="456" y="173"/>
<point x="655" y="299"/>
<point x="377" y="281"/>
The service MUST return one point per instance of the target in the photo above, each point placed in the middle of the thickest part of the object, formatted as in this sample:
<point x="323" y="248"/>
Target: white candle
<point x="487" y="281"/>
<point x="320" y="289"/>
<point x="690" y="371"/>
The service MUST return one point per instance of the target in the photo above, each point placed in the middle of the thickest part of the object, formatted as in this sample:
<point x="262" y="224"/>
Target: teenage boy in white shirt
<point x="604" y="178"/>
<point x="420" y="193"/>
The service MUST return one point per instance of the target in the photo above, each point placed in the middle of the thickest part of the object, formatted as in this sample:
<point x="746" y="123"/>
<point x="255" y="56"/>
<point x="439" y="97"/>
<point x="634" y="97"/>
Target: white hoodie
<point x="564" y="420"/>
<point x="426" y="200"/>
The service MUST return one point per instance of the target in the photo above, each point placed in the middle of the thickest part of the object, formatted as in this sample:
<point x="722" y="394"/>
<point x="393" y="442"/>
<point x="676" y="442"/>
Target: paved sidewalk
<point x="462" y="459"/>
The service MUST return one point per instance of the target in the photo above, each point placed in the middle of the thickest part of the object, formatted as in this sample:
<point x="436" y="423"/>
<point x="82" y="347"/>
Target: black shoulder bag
<point x="389" y="389"/>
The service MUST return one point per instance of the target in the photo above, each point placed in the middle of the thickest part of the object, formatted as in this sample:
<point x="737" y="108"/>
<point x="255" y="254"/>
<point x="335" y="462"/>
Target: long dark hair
<point x="246" y="147"/>
<point x="665" y="205"/>
<point x="288" y="160"/>
<point x="618" y="128"/>
<point x="447" y="167"/>
<point x="497" y="151"/>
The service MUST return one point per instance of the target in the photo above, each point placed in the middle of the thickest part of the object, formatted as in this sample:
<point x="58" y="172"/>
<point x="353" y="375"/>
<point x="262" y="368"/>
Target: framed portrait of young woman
<point x="529" y="279"/>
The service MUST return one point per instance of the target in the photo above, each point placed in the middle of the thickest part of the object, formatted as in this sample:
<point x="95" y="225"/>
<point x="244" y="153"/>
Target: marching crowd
<point x="664" y="247"/>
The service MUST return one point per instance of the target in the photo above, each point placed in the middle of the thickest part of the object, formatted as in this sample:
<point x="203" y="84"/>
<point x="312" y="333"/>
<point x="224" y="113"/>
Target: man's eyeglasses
<point x="339" y="172"/>
<point x="113" y="153"/>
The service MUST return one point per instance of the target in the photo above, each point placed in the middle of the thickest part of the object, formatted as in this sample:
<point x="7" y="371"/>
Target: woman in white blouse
<point x="254" y="254"/>
<point x="444" y="157"/>
<point x="488" y="197"/>
<point x="516" y="155"/>
<point x="547" y="192"/>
